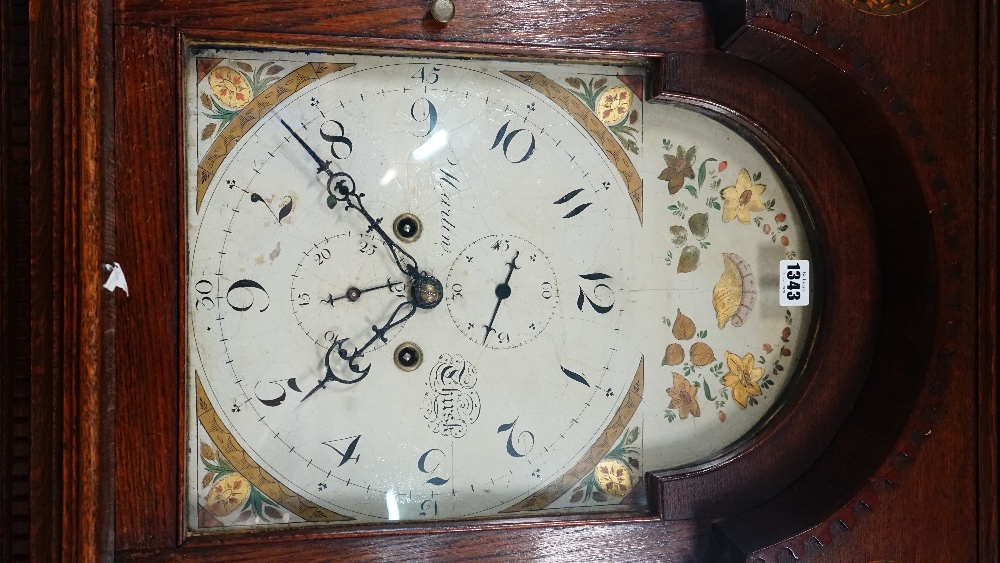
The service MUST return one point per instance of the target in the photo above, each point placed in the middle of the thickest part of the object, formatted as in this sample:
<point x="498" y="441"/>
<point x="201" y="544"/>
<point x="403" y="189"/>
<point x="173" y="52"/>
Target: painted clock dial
<point x="425" y="288"/>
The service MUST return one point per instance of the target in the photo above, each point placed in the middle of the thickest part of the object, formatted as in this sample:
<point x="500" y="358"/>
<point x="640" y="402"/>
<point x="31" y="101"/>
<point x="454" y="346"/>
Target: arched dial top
<point x="599" y="287"/>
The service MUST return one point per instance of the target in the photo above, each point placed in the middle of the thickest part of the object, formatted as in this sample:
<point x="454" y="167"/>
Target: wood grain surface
<point x="15" y="283"/>
<point x="667" y="542"/>
<point x="989" y="284"/>
<point x="906" y="106"/>
<point x="148" y="358"/>
<point x="632" y="25"/>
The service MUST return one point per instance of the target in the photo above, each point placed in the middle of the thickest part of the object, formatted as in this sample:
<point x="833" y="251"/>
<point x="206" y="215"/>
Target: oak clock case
<point x="428" y="288"/>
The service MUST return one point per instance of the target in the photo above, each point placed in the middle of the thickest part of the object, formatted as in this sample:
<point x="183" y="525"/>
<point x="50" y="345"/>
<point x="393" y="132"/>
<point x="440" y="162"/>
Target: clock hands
<point x="379" y="334"/>
<point x="330" y="376"/>
<point x="502" y="292"/>
<point x="341" y="188"/>
<point x="426" y="291"/>
<point x="353" y="294"/>
<point x="406" y="310"/>
<point x="324" y="165"/>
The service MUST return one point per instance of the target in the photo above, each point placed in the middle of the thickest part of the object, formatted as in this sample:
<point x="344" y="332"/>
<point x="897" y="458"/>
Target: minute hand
<point x="502" y="292"/>
<point x="341" y="188"/>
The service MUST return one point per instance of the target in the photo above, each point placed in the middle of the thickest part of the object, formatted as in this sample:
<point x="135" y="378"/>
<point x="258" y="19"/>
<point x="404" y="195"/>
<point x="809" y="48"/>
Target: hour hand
<point x="330" y="376"/>
<point x="400" y="315"/>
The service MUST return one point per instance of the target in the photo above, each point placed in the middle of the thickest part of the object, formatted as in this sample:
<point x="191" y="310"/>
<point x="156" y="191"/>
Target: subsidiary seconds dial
<point x="502" y="291"/>
<point x="342" y="285"/>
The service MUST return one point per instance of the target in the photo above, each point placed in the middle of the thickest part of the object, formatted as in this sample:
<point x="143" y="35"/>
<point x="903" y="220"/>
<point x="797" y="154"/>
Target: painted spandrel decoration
<point x="587" y="288"/>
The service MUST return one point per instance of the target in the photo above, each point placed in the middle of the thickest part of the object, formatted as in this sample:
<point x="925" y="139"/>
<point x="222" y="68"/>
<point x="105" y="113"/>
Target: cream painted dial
<point x="540" y="291"/>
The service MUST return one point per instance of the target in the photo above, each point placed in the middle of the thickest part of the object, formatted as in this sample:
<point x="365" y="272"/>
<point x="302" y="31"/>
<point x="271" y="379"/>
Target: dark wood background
<point x="912" y="98"/>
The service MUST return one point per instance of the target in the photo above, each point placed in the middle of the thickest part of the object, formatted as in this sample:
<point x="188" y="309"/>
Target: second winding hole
<point x="407" y="227"/>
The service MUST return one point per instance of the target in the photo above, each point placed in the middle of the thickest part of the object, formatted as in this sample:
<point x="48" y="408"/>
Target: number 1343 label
<point x="794" y="283"/>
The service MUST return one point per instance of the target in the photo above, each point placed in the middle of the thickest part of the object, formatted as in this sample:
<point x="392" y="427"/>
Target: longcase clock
<point x="669" y="281"/>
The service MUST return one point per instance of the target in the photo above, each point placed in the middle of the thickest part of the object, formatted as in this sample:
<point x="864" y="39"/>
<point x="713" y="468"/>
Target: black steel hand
<point x="352" y="365"/>
<point x="502" y="292"/>
<point x="324" y="165"/>
<point x="330" y="377"/>
<point x="379" y="334"/>
<point x="341" y="188"/>
<point x="353" y="294"/>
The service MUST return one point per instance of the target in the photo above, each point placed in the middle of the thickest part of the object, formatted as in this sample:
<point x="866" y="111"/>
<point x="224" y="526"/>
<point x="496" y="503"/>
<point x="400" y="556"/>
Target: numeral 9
<point x="247" y="286"/>
<point x="421" y="114"/>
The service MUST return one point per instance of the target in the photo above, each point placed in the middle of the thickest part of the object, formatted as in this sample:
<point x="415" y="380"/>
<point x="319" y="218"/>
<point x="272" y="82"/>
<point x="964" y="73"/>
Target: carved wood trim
<point x="940" y="201"/>
<point x="15" y="312"/>
<point x="67" y="126"/>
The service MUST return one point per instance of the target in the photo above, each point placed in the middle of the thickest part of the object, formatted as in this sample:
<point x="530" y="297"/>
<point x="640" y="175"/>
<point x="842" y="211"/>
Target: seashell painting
<point x="735" y="295"/>
<point x="720" y="324"/>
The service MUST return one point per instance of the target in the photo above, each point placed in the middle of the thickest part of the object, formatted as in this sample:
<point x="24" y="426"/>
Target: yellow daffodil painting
<point x="739" y="200"/>
<point x="743" y="378"/>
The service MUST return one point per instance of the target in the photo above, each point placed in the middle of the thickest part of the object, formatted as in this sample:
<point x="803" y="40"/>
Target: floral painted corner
<point x="226" y="498"/>
<point x="615" y="476"/>
<point x="231" y="88"/>
<point x="612" y="104"/>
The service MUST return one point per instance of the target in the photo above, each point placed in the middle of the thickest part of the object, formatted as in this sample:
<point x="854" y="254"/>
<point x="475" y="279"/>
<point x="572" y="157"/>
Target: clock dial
<point x="587" y="288"/>
<point x="506" y="280"/>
